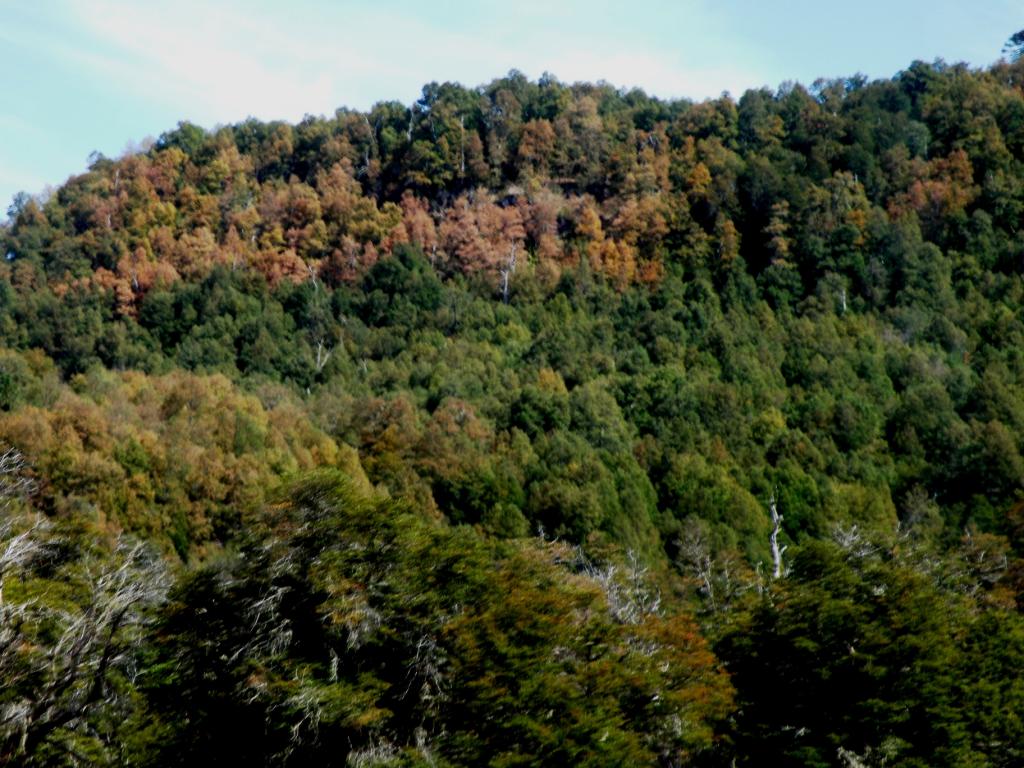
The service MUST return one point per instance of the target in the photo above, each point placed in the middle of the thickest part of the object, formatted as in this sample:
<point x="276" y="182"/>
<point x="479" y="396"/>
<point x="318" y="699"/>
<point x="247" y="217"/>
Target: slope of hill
<point x="556" y="352"/>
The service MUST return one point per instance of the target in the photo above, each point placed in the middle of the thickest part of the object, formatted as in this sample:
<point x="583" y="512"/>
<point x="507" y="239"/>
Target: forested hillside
<point x="530" y="424"/>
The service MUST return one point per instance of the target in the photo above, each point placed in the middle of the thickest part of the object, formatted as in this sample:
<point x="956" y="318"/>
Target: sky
<point x="104" y="75"/>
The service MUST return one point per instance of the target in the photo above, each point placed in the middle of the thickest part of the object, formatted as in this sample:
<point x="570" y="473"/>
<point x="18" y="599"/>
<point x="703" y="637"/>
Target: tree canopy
<point x="530" y="423"/>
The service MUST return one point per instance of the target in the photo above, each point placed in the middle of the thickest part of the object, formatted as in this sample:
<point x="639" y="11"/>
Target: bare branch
<point x="58" y="661"/>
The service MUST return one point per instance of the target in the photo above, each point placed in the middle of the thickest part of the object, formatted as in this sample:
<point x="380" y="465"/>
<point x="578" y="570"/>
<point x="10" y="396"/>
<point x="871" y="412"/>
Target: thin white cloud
<point x="149" y="64"/>
<point x="653" y="74"/>
<point x="215" y="64"/>
<point x="9" y="122"/>
<point x="14" y="179"/>
<point x="225" y="62"/>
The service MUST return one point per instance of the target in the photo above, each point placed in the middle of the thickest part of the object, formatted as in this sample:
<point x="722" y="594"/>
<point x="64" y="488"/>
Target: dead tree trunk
<point x="323" y="354"/>
<point x="777" y="551"/>
<point x="506" y="275"/>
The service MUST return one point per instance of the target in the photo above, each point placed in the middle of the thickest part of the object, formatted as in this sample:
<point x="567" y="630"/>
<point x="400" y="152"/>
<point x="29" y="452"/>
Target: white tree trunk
<point x="506" y="274"/>
<point x="777" y="551"/>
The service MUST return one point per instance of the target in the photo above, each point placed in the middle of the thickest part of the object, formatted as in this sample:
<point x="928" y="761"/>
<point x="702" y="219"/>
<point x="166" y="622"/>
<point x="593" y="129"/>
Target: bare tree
<point x="506" y="271"/>
<point x="777" y="550"/>
<point x="853" y="541"/>
<point x="323" y="354"/>
<point x="15" y="481"/>
<point x="720" y="577"/>
<point x="627" y="590"/>
<point x="58" y="662"/>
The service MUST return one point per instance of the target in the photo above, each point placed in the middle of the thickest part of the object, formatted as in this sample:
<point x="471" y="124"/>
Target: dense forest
<point x="528" y="424"/>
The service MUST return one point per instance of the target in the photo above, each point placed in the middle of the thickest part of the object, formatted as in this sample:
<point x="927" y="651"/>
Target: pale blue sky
<point x="84" y="75"/>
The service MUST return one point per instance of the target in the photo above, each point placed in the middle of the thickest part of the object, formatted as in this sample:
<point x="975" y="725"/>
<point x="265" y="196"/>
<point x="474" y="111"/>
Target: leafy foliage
<point x="556" y="337"/>
<point x="358" y="627"/>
